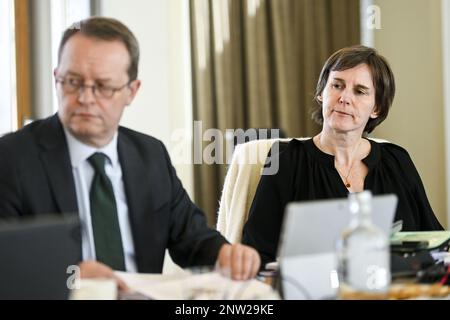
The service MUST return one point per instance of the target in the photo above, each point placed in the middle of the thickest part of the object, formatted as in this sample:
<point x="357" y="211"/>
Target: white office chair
<point x="241" y="181"/>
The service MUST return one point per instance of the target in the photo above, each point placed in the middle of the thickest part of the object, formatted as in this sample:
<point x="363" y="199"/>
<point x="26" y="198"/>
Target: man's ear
<point x="134" y="88"/>
<point x="55" y="72"/>
<point x="319" y="98"/>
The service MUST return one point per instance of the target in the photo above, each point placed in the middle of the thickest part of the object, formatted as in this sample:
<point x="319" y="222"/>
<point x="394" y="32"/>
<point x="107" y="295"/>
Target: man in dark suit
<point x="121" y="182"/>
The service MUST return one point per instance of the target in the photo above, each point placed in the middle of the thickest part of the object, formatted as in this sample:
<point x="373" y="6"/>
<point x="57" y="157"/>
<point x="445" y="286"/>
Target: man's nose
<point x="86" y="94"/>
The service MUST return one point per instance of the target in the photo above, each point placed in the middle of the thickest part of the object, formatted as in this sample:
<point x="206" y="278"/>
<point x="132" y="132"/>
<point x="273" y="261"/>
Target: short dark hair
<point x="382" y="77"/>
<point x="108" y="29"/>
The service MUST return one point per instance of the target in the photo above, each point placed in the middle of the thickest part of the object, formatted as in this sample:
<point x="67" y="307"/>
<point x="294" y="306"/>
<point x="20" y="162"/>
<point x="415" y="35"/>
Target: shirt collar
<point x="80" y="151"/>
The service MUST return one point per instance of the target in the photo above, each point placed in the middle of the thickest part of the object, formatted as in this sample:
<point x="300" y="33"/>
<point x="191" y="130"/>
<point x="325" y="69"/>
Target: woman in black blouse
<point x="354" y="93"/>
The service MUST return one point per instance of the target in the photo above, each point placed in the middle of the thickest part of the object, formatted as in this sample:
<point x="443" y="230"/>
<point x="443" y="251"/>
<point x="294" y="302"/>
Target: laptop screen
<point x="36" y="255"/>
<point x="313" y="227"/>
<point x="307" y="248"/>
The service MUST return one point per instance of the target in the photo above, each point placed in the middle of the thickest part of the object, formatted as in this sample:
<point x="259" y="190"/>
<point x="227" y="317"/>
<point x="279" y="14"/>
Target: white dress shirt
<point x="83" y="174"/>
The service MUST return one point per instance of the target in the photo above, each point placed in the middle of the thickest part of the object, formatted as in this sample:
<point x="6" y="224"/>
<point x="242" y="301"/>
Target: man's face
<point x="93" y="118"/>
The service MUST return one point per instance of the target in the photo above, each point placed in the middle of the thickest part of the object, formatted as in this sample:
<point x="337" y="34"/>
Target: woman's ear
<point x="374" y="113"/>
<point x="319" y="98"/>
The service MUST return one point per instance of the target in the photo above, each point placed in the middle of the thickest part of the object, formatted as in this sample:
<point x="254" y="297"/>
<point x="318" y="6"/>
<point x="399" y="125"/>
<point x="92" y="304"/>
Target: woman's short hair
<point x="382" y="77"/>
<point x="108" y="29"/>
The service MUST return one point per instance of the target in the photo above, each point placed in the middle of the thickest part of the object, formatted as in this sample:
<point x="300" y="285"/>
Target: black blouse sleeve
<point x="263" y="226"/>
<point x="425" y="219"/>
<point x="413" y="208"/>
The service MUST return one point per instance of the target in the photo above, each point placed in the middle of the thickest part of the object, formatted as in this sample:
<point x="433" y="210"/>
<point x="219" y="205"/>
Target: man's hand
<point x="94" y="269"/>
<point x="238" y="261"/>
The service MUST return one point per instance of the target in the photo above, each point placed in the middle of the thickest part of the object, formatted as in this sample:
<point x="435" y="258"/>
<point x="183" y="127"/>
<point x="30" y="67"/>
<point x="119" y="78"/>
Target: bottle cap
<point x="360" y="201"/>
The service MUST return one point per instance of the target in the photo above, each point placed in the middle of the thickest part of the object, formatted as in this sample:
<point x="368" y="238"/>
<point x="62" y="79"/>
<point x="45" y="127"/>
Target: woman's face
<point x="348" y="99"/>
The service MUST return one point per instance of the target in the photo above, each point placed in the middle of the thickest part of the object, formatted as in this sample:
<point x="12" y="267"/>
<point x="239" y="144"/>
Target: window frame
<point x="23" y="76"/>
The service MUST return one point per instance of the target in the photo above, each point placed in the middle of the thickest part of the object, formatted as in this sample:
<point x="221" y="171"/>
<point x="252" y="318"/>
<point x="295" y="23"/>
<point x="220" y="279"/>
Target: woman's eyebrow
<point x="361" y="86"/>
<point x="338" y="79"/>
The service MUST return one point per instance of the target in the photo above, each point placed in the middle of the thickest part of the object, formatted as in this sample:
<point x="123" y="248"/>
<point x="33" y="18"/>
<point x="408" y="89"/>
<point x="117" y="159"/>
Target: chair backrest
<point x="241" y="181"/>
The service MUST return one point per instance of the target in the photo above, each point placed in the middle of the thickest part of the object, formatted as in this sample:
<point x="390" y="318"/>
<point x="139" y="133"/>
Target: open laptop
<point x="307" y="248"/>
<point x="36" y="255"/>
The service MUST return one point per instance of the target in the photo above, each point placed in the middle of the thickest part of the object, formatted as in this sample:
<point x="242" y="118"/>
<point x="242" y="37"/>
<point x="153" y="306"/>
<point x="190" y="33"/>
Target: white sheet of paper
<point x="204" y="286"/>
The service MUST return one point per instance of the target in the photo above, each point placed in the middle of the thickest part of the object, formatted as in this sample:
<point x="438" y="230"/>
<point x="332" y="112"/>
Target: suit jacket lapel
<point x="56" y="160"/>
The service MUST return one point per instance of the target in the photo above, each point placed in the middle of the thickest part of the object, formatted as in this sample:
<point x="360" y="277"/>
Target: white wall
<point x="410" y="38"/>
<point x="148" y="20"/>
<point x="446" y="62"/>
<point x="164" y="103"/>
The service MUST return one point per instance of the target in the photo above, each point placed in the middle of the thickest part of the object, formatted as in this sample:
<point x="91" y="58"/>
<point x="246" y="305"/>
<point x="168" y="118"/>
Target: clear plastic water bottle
<point x="363" y="253"/>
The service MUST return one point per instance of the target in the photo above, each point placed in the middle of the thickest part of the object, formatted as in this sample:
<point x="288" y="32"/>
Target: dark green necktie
<point x="105" y="224"/>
